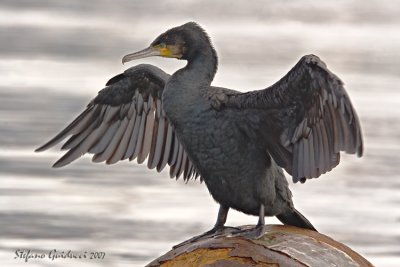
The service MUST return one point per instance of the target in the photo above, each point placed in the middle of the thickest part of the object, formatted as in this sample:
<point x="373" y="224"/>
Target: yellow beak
<point x="148" y="52"/>
<point x="170" y="51"/>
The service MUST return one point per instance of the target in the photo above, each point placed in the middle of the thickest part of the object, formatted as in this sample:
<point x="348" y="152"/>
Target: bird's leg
<point x="256" y="232"/>
<point x="218" y="227"/>
<point x="260" y="229"/>
<point x="261" y="216"/>
<point x="221" y="218"/>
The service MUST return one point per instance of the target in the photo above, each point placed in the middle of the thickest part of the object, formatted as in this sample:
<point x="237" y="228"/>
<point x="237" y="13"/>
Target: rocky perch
<point x="281" y="245"/>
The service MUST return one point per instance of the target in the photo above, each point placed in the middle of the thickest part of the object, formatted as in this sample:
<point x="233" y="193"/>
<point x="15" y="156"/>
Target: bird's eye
<point x="162" y="45"/>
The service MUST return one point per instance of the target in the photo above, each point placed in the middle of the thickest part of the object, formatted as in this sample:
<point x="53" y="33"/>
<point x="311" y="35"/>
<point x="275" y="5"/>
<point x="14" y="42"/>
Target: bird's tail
<point x="295" y="218"/>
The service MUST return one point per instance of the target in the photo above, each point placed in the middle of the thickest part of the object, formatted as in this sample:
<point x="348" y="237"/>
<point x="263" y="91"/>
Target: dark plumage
<point x="236" y="142"/>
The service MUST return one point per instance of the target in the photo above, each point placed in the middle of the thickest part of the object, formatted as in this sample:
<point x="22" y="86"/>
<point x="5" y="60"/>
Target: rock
<point x="281" y="245"/>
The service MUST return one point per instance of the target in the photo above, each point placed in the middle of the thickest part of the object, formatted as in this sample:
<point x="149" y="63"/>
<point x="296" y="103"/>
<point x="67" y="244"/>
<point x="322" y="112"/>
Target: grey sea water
<point x="54" y="57"/>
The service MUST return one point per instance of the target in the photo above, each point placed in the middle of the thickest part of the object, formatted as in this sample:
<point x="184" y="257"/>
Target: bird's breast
<point x="219" y="142"/>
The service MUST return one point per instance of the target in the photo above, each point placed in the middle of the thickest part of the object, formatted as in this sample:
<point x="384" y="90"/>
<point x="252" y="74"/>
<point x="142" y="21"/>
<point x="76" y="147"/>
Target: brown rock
<point x="281" y="245"/>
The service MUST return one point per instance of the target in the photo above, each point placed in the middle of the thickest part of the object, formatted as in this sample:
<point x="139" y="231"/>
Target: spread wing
<point x="126" y="120"/>
<point x="308" y="119"/>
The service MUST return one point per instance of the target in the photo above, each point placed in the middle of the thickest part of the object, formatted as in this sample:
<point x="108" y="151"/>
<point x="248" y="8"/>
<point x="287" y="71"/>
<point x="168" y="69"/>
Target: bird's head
<point x="182" y="42"/>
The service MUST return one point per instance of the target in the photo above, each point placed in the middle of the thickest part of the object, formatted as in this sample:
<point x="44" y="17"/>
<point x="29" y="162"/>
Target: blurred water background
<point x="54" y="57"/>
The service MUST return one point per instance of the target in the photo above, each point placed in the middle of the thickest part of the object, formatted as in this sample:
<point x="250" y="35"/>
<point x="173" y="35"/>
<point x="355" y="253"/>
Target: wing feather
<point x="109" y="143"/>
<point x="167" y="150"/>
<point x="134" y="137"/>
<point x="76" y="139"/>
<point x="174" y="153"/>
<point x="114" y="144"/>
<point x="148" y="134"/>
<point x="175" y="167"/>
<point x="73" y="128"/>
<point x="183" y="163"/>
<point x="157" y="146"/>
<point x="126" y="120"/>
<point x="307" y="119"/>
<point x="156" y="132"/>
<point x="139" y="141"/>
<point x="105" y="139"/>
<point x="301" y="163"/>
<point x="311" y="163"/>
<point x="123" y="144"/>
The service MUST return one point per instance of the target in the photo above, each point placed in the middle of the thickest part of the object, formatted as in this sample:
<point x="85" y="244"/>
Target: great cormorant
<point x="236" y="142"/>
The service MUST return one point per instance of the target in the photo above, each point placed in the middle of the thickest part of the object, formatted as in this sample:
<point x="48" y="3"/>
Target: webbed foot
<point x="213" y="233"/>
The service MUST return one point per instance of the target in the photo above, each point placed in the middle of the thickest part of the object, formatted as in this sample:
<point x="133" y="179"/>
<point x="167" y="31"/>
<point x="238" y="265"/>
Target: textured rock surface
<point x="283" y="246"/>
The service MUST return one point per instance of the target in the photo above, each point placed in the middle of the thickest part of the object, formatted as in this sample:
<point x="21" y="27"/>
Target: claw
<point x="209" y="234"/>
<point x="218" y="229"/>
<point x="250" y="233"/>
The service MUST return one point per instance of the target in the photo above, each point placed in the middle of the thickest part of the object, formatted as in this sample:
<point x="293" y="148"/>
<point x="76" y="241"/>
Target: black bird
<point x="236" y="142"/>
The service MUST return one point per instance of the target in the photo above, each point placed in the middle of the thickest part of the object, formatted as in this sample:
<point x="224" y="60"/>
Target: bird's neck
<point x="202" y="66"/>
<point x="184" y="89"/>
